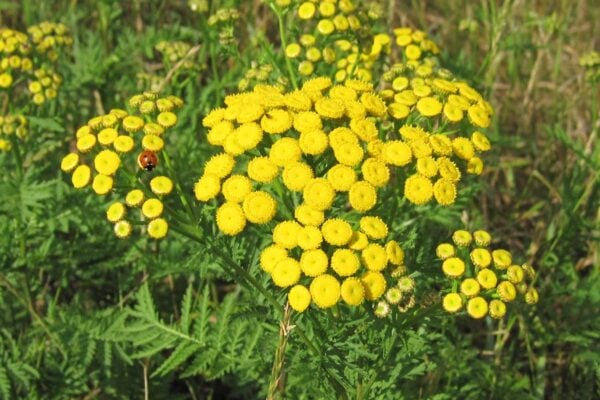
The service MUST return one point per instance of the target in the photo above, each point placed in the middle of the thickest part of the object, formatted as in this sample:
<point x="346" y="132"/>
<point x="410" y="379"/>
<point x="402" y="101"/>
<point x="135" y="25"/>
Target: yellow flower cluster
<point x="414" y="44"/>
<point x="261" y="74"/>
<point x="319" y="144"/>
<point x="484" y="280"/>
<point x="401" y="295"/>
<point x="173" y="51"/>
<point x="11" y="125"/>
<point x="31" y="56"/>
<point x="108" y="148"/>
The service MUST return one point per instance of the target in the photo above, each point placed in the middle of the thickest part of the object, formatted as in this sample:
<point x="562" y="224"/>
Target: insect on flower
<point x="147" y="160"/>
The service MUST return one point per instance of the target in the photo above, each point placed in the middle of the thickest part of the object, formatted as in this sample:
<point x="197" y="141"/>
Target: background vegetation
<point x="85" y="315"/>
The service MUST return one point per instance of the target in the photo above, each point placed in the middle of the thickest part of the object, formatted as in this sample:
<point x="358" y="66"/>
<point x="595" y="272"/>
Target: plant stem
<point x="283" y="38"/>
<point x="276" y="384"/>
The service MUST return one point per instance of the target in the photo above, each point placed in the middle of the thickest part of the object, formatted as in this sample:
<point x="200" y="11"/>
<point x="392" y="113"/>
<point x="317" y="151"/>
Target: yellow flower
<point x="341" y="177"/>
<point x="470" y="287"/>
<point x="463" y="148"/>
<point x="374" y="227"/>
<point x="219" y="133"/>
<point x="285" y="234"/>
<point x="445" y="250"/>
<point x="318" y="194"/>
<point x="236" y="188"/>
<point x="306" y="68"/>
<point x="313" y="262"/>
<point x="292" y="50"/>
<point x="219" y="165"/>
<point x="313" y="142"/>
<point x="531" y="296"/>
<point x="115" y="212"/>
<point x="398" y="110"/>
<point x="299" y="298"/>
<point x="502" y="258"/>
<point x="358" y="241"/>
<point x="412" y="52"/>
<point x="250" y="112"/>
<point x="132" y="123"/>
<point x="418" y="189"/>
<point x="487" y="278"/>
<point x="86" y="143"/>
<point x="396" y="152"/>
<point x="374" y="284"/>
<point x="122" y="229"/>
<point x="429" y="106"/>
<point x="306" y="10"/>
<point x="506" y="291"/>
<point x="123" y="144"/>
<point x="158" y="228"/>
<point x="330" y="108"/>
<point x="285" y="151"/>
<point x="349" y="154"/>
<point x="362" y="196"/>
<point x="207" y="187"/>
<point x="344" y="262"/>
<point x="161" y="185"/>
<point x="102" y="184"/>
<point x="477" y="307"/>
<point x="262" y="169"/>
<point x="353" y="291"/>
<point x="375" y="172"/>
<point x="395" y="254"/>
<point x="107" y="162"/>
<point x="481" y="258"/>
<point x="153" y="143"/>
<point x="452" y="112"/>
<point x="515" y="274"/>
<point x="373" y="104"/>
<point x="152" y="208"/>
<point x="69" y="162"/>
<point x="259" y="207"/>
<point x="270" y="256"/>
<point x="336" y="231"/>
<point x="497" y="309"/>
<point x="340" y="136"/>
<point x="248" y="135"/>
<point x="393" y="295"/>
<point x="452" y="302"/>
<point x="230" y="218"/>
<point x="153" y="129"/>
<point x="462" y="238"/>
<point x="298" y="101"/>
<point x="478" y="116"/>
<point x="453" y="267"/>
<point x="444" y="192"/>
<point x="364" y="128"/>
<point x="382" y="309"/>
<point x="307" y="121"/>
<point x="475" y="166"/>
<point x="309" y="238"/>
<point x="276" y="121"/>
<point x="317" y="84"/>
<point x="6" y="80"/>
<point x="427" y="166"/>
<point x="440" y="144"/>
<point x="297" y="175"/>
<point x="107" y="135"/>
<point x="309" y="216"/>
<point x="325" y="291"/>
<point x="286" y="272"/>
<point x="480" y="141"/>
<point x="374" y="257"/>
<point x="134" y="198"/>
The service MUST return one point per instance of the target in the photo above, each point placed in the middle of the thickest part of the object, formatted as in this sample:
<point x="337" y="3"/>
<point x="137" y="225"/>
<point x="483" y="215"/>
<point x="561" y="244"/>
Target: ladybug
<point x="147" y="160"/>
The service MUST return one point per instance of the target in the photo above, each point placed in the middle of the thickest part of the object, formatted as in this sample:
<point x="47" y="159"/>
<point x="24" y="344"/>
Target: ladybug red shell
<point x="147" y="160"/>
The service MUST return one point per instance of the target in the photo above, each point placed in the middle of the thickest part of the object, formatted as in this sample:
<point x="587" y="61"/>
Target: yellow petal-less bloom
<point x="444" y="192"/>
<point x="373" y="104"/>
<point x="297" y="175"/>
<point x="276" y="121"/>
<point x="531" y="296"/>
<point x="462" y="238"/>
<point x="248" y="135"/>
<point x="481" y="258"/>
<point x="382" y="309"/>
<point x="309" y="238"/>
<point x="309" y="216"/>
<point x="445" y="250"/>
<point x="362" y="196"/>
<point x="122" y="229"/>
<point x="374" y="284"/>
<point x="219" y="165"/>
<point x="487" y="278"/>
<point x="262" y="169"/>
<point x="107" y="135"/>
<point x="134" y="198"/>
<point x="293" y="50"/>
<point x="85" y="143"/>
<point x="116" y="212"/>
<point x="470" y="287"/>
<point x="286" y="272"/>
<point x="412" y="52"/>
<point x="133" y="123"/>
<point x="478" y="116"/>
<point x="353" y="291"/>
<point x="330" y="108"/>
<point x="349" y="154"/>
<point x="452" y="302"/>
<point x="236" y="188"/>
<point x="207" y="187"/>
<point x="429" y="106"/>
<point x="299" y="298"/>
<point x="259" y="207"/>
<point x="453" y="267"/>
<point x="107" y="162"/>
<point x="102" y="184"/>
<point x="313" y="142"/>
<point x="153" y="143"/>
<point x="123" y="143"/>
<point x="364" y="128"/>
<point x="482" y="238"/>
<point x="480" y="141"/>
<point x="318" y="194"/>
<point x="166" y="119"/>
<point x="152" y="208"/>
<point x="375" y="172"/>
<point x="506" y="291"/>
<point x="398" y="110"/>
<point x="69" y="162"/>
<point x="270" y="256"/>
<point x="374" y="257"/>
<point x="153" y="129"/>
<point x="314" y="262"/>
<point x="475" y="166"/>
<point x="161" y="185"/>
<point x="219" y="133"/>
<point x="477" y="307"/>
<point x="394" y="253"/>
<point x="497" y="309"/>
<point x="463" y="148"/>
<point x="158" y="228"/>
<point x="307" y="121"/>
<point x="341" y="177"/>
<point x="502" y="258"/>
<point x="306" y="10"/>
<point x="285" y="234"/>
<point x="440" y="144"/>
<point x="373" y="227"/>
<point x="336" y="231"/>
<point x="325" y="291"/>
<point x="452" y="112"/>
<point x="418" y="189"/>
<point x="396" y="153"/>
<point x="358" y="241"/>
<point x="515" y="274"/>
<point x="344" y="262"/>
<point x="230" y="218"/>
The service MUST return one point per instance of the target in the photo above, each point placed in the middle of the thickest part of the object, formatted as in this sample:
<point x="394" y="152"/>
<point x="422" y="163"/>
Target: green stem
<point x="276" y="380"/>
<point x="283" y="38"/>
